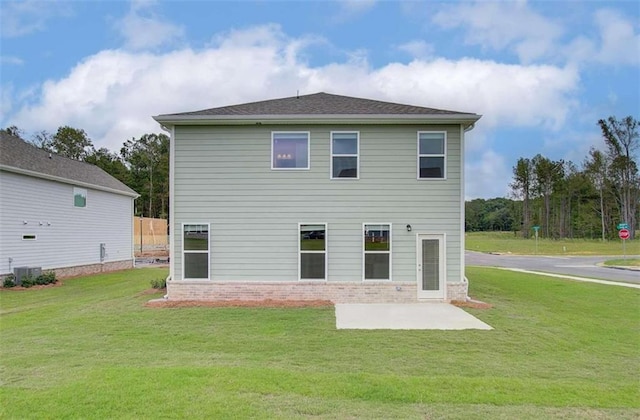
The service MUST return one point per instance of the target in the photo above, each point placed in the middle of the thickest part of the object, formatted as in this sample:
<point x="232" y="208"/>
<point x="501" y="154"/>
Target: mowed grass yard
<point x="507" y="242"/>
<point x="90" y="349"/>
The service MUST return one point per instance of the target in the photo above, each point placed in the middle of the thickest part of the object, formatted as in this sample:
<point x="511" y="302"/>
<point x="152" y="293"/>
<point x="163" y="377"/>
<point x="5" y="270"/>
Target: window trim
<point x="208" y="251"/>
<point x="365" y="252"/>
<point x="325" y="252"/>
<point x="308" y="134"/>
<point x="86" y="197"/>
<point x="442" y="155"/>
<point x="356" y="155"/>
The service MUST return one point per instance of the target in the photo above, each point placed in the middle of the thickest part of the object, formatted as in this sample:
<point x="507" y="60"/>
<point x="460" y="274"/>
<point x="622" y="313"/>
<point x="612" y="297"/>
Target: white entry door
<point x="430" y="266"/>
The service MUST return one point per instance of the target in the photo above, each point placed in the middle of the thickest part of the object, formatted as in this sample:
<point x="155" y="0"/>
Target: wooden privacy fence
<point x="150" y="235"/>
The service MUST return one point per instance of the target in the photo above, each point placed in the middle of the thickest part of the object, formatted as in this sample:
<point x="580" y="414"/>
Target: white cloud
<point x="6" y="101"/>
<point x="113" y="94"/>
<point x="516" y="27"/>
<point x="142" y="29"/>
<point x="19" y="18"/>
<point x="509" y="95"/>
<point x="418" y="49"/>
<point x="617" y="42"/>
<point x="350" y="8"/>
<point x="620" y="43"/>
<point x="11" y="60"/>
<point x="503" y="25"/>
<point x="485" y="177"/>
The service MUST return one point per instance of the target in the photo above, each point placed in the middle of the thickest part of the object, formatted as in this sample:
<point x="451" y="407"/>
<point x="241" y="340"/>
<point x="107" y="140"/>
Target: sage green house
<point x="317" y="197"/>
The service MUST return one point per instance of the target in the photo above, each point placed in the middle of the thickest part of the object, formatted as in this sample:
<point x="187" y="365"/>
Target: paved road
<point x="574" y="266"/>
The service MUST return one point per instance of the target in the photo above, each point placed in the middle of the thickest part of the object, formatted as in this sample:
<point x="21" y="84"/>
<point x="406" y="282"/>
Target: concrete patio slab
<point x="394" y="316"/>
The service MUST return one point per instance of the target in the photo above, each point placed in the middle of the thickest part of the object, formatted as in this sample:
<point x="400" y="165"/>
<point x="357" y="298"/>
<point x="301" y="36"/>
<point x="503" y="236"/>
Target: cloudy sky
<point x="540" y="73"/>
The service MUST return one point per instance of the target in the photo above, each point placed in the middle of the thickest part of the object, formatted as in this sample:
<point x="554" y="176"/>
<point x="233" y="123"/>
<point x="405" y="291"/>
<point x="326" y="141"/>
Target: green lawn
<point x="90" y="349"/>
<point x="626" y="262"/>
<point x="508" y="242"/>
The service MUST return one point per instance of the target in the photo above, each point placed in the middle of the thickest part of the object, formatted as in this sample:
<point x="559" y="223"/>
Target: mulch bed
<point x="267" y="303"/>
<point x="471" y="303"/>
<point x="34" y="287"/>
<point x="271" y="303"/>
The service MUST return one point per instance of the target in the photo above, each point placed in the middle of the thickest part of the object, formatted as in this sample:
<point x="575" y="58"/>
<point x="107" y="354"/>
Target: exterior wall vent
<point x="22" y="272"/>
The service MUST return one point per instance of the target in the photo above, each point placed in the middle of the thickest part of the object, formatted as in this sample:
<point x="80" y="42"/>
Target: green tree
<point x="623" y="141"/>
<point x="548" y="174"/>
<point x="595" y="167"/>
<point x="473" y="213"/>
<point x="576" y="192"/>
<point x="42" y="140"/>
<point x="110" y="163"/>
<point x="492" y="214"/>
<point x="147" y="159"/>
<point x="71" y="142"/>
<point x="521" y="187"/>
<point x="14" y="131"/>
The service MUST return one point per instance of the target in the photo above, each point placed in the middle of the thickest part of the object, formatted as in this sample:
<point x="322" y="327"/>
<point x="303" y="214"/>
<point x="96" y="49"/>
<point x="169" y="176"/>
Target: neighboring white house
<point x="317" y="197"/>
<point x="59" y="213"/>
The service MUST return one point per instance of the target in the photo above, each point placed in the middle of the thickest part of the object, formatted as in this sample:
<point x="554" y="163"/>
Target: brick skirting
<point x="458" y="291"/>
<point x="85" y="270"/>
<point x="337" y="292"/>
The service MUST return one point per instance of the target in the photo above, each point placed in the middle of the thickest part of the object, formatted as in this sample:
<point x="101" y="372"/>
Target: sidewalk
<point x="565" y="276"/>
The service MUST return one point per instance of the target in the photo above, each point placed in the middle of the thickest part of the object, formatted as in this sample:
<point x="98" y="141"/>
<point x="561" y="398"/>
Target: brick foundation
<point x="337" y="292"/>
<point x="458" y="291"/>
<point x="85" y="270"/>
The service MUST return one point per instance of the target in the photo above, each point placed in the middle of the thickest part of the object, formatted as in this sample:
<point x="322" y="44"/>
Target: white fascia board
<point x="66" y="180"/>
<point x="468" y="120"/>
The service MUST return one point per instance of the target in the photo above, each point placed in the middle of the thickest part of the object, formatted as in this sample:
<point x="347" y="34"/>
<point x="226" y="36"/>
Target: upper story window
<point x="345" y="149"/>
<point x="79" y="197"/>
<point x="432" y="148"/>
<point x="290" y="150"/>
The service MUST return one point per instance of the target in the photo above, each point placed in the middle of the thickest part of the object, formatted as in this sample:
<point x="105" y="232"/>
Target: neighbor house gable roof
<point x="318" y="107"/>
<point x="18" y="156"/>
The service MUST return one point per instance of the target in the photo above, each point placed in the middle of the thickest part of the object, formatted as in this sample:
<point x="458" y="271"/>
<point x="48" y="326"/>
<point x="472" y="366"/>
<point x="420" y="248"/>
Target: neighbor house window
<point x="377" y="251"/>
<point x="79" y="197"/>
<point x="431" y="155"/>
<point x="290" y="150"/>
<point x="195" y="244"/>
<point x="312" y="251"/>
<point x="344" y="155"/>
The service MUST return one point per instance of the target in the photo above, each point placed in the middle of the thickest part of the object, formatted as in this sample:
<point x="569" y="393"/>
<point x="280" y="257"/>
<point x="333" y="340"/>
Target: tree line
<point x="142" y="163"/>
<point x="566" y="200"/>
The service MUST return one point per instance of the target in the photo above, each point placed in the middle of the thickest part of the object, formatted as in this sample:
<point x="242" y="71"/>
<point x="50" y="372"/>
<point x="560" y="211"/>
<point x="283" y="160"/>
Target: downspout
<point x="171" y="132"/>
<point x="462" y="205"/>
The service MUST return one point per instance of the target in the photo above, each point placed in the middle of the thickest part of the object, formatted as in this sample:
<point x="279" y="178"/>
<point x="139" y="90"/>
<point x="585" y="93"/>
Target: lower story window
<point x="195" y="244"/>
<point x="313" y="251"/>
<point x="377" y="251"/>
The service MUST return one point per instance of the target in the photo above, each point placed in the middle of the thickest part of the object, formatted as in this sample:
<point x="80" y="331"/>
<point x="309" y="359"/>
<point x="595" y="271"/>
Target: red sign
<point x="623" y="234"/>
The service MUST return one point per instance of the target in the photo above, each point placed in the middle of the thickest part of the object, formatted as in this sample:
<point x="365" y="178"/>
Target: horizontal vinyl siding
<point x="223" y="177"/>
<point x="68" y="236"/>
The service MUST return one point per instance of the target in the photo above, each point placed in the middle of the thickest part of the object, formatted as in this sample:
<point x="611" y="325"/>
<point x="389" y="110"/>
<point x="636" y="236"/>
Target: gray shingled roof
<point x="319" y="104"/>
<point x="22" y="156"/>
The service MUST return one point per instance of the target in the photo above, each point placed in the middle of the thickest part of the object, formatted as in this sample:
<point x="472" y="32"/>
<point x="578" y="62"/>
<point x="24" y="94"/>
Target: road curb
<point x="619" y="267"/>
